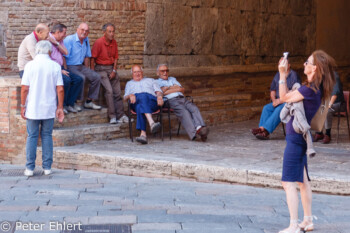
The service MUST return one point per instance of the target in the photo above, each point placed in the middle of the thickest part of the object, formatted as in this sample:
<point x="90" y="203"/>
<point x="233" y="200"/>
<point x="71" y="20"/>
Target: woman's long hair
<point x="324" y="76"/>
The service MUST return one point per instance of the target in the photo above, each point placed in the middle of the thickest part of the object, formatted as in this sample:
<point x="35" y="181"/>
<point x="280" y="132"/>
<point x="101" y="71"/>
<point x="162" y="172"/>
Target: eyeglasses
<point x="307" y="62"/>
<point x="137" y="72"/>
<point x="164" y="71"/>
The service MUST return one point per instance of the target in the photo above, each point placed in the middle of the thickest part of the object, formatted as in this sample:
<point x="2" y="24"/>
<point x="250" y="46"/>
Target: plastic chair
<point x="345" y="113"/>
<point x="132" y="114"/>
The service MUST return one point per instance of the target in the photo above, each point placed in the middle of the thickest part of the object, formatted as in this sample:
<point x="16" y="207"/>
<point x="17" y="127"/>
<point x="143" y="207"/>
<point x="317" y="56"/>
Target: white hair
<point x="134" y="66"/>
<point x="43" y="47"/>
<point x="162" y="65"/>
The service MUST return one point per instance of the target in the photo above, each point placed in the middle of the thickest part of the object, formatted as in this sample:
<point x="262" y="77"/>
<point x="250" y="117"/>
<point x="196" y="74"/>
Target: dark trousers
<point x="72" y="88"/>
<point x="145" y="103"/>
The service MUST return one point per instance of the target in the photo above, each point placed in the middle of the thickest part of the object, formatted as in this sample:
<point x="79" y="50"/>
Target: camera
<point x="285" y="55"/>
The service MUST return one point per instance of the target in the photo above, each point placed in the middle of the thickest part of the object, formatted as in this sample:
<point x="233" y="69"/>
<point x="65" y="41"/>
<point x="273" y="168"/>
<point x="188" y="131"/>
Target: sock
<point x="88" y="101"/>
<point x="328" y="132"/>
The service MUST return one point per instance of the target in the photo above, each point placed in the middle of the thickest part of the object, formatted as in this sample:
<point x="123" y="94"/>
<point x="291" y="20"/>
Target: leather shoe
<point x="203" y="133"/>
<point x="318" y="137"/>
<point x="263" y="135"/>
<point x="326" y="139"/>
<point x="256" y="131"/>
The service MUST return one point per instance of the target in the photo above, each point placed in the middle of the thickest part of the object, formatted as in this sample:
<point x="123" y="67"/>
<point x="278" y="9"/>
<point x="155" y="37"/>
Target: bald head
<point x="83" y="31"/>
<point x="42" y="31"/>
<point x="137" y="72"/>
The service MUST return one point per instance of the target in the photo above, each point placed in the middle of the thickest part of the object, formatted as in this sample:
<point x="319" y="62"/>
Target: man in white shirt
<point x="41" y="85"/>
<point x="186" y="111"/>
<point x="26" y="51"/>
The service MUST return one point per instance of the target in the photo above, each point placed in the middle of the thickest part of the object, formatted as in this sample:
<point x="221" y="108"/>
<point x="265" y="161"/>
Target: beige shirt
<point x="26" y="51"/>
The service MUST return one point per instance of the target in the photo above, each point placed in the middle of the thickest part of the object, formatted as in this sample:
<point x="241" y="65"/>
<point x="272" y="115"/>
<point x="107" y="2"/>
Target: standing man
<point x="145" y="97"/>
<point x="26" y="51"/>
<point x="270" y="116"/>
<point x="186" y="111"/>
<point x="105" y="56"/>
<point x="78" y="62"/>
<point x="72" y="83"/>
<point x="41" y="85"/>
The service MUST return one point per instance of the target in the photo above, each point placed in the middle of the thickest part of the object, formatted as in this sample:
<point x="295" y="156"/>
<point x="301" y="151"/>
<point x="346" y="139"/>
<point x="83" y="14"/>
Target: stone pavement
<point x="231" y="154"/>
<point x="80" y="199"/>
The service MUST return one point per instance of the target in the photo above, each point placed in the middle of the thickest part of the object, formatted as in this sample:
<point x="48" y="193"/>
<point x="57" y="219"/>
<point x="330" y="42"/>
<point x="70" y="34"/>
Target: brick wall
<point x="19" y="17"/>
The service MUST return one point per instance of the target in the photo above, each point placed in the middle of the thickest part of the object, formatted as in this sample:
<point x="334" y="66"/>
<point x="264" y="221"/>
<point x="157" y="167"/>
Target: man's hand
<point x="160" y="101"/>
<point x="65" y="72"/>
<point x="112" y="75"/>
<point x="53" y="40"/>
<point x="60" y="115"/>
<point x="276" y="102"/>
<point x="132" y="98"/>
<point x="23" y="111"/>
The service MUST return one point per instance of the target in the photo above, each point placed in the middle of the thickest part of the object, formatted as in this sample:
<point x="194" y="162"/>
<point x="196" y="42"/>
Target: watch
<point x="114" y="71"/>
<point x="281" y="82"/>
<point x="58" y="43"/>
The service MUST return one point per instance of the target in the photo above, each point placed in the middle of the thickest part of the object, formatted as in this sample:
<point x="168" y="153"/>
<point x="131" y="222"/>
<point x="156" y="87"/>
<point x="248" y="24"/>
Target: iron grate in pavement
<point x="105" y="228"/>
<point x="17" y="172"/>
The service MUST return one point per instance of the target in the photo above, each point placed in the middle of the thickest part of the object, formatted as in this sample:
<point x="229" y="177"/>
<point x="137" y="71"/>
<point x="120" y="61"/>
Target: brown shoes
<point x="326" y="139"/>
<point x="264" y="135"/>
<point x="318" y="137"/>
<point x="203" y="132"/>
<point x="256" y="131"/>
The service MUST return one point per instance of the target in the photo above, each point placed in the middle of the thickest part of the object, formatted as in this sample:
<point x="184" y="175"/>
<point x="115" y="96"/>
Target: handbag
<point x="317" y="122"/>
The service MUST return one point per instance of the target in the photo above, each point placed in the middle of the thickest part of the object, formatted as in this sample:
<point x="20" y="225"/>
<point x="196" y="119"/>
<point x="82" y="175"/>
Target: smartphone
<point x="285" y="55"/>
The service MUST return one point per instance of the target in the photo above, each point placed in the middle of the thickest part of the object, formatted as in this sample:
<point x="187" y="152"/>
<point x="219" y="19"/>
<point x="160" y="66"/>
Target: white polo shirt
<point x="42" y="75"/>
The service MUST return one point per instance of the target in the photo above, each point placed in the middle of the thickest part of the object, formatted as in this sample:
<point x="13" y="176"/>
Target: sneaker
<point x="203" y="132"/>
<point x="155" y="127"/>
<point x="91" y="105"/>
<point x="47" y="172"/>
<point x="65" y="111"/>
<point x="142" y="140"/>
<point x="72" y="109"/>
<point x="77" y="107"/>
<point x="28" y="172"/>
<point x="113" y="121"/>
<point x="124" y="119"/>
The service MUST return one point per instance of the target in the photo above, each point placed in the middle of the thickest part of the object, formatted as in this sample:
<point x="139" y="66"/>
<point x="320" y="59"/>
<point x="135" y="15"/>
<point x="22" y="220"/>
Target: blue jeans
<point x="145" y="103"/>
<point x="270" y="117"/>
<point x="46" y="140"/>
<point x="73" y="85"/>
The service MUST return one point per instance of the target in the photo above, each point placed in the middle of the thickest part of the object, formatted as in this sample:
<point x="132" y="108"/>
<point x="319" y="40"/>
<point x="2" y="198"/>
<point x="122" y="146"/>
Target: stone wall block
<point x="155" y="36"/>
<point x="227" y="39"/>
<point x="202" y="34"/>
<point x="177" y="27"/>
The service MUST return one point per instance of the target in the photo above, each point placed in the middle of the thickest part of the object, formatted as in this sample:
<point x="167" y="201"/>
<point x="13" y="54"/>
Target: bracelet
<point x="58" y="43"/>
<point x="114" y="71"/>
<point x="281" y="82"/>
<point x="23" y="106"/>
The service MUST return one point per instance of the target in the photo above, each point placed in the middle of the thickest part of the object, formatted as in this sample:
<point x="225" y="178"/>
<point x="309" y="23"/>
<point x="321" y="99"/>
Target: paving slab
<point x="231" y="154"/>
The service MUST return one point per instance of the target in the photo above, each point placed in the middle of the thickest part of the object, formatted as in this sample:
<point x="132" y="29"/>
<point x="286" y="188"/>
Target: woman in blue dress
<point x="319" y="69"/>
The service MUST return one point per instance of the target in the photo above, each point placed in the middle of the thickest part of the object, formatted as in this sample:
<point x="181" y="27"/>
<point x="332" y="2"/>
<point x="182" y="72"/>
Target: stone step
<point x="205" y="103"/>
<point x="79" y="134"/>
<point x="86" y="116"/>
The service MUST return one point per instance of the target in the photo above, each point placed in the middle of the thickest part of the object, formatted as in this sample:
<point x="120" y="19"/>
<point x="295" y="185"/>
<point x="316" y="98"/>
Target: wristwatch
<point x="114" y="71"/>
<point x="281" y="82"/>
<point x="58" y="43"/>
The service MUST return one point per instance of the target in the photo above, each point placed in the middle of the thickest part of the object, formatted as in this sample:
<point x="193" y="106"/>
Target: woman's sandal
<point x="289" y="230"/>
<point x="309" y="224"/>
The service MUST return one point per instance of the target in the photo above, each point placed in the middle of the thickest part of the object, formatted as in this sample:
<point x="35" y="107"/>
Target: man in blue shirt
<point x="270" y="116"/>
<point x="78" y="62"/>
<point x="186" y="111"/>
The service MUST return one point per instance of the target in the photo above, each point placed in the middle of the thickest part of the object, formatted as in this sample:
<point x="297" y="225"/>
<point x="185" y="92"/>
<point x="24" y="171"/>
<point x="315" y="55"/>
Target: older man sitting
<point x="145" y="96"/>
<point x="186" y="111"/>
